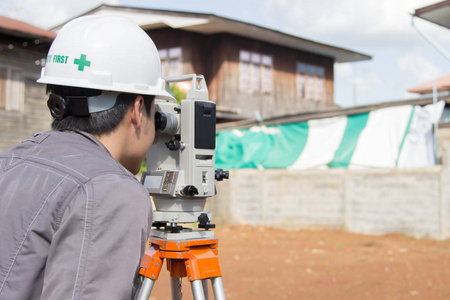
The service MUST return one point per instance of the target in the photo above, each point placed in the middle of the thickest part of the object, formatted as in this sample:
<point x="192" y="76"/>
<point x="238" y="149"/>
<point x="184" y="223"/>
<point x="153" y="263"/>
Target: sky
<point x="401" y="57"/>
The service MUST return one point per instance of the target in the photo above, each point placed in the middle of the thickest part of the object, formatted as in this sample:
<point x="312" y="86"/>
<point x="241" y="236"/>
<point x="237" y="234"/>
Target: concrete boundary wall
<point x="369" y="201"/>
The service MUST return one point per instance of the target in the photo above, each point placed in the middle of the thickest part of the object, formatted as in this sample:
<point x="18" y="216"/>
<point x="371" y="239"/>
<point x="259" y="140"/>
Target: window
<point x="170" y="61"/>
<point x="255" y="72"/>
<point x="310" y="82"/>
<point x="310" y="88"/>
<point x="320" y="83"/>
<point x="267" y="73"/>
<point x="301" y="81"/>
<point x="12" y="89"/>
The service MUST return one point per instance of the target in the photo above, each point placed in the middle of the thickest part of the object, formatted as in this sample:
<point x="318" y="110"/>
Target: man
<point x="73" y="219"/>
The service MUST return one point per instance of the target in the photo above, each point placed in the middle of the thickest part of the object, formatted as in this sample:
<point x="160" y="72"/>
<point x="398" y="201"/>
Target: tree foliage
<point x="178" y="93"/>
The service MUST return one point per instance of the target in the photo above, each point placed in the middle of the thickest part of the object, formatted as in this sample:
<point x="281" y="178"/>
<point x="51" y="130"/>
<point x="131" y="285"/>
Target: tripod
<point x="191" y="254"/>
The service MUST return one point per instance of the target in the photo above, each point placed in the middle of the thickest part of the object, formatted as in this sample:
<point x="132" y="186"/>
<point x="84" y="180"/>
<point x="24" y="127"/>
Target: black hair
<point x="98" y="123"/>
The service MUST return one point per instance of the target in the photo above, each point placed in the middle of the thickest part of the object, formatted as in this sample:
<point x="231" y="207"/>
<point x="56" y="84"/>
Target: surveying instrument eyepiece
<point x="180" y="177"/>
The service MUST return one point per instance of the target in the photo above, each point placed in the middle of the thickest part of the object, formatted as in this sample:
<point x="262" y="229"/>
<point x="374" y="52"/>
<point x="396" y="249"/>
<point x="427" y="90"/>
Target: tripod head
<point x="180" y="164"/>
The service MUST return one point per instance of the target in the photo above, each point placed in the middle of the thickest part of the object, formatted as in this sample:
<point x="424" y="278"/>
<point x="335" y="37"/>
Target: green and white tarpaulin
<point x="398" y="136"/>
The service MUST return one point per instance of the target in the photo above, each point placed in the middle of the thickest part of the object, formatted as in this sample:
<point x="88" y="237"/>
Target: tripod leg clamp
<point x="203" y="263"/>
<point x="151" y="263"/>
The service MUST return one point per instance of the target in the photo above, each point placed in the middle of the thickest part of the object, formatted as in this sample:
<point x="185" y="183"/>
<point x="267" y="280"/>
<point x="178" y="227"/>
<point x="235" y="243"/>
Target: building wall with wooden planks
<point x="218" y="58"/>
<point x="23" y="109"/>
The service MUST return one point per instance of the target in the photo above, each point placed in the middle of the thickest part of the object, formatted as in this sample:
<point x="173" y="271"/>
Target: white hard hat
<point x="108" y="53"/>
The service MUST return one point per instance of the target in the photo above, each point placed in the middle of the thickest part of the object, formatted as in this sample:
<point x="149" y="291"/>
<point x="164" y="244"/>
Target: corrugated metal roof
<point x="333" y="112"/>
<point x="22" y="29"/>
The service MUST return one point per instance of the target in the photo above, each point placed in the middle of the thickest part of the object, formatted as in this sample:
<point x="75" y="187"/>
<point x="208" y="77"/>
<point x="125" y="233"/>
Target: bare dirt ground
<point x="265" y="263"/>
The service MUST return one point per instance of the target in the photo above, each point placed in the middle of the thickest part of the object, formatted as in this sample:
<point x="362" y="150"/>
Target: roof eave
<point x="24" y="35"/>
<point x="340" y="55"/>
<point x="436" y="13"/>
<point x="212" y="24"/>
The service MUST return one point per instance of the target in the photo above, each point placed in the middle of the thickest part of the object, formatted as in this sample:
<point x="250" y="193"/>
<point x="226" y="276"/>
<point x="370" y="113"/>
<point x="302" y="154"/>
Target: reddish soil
<point x="265" y="263"/>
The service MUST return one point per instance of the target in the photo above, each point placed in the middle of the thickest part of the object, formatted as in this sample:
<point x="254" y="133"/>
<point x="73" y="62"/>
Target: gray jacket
<point x="73" y="221"/>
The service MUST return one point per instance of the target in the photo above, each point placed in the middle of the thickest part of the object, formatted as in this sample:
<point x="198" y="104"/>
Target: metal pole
<point x="217" y="285"/>
<point x="146" y="289"/>
<point x="197" y="289"/>
<point x="205" y="288"/>
<point x="430" y="40"/>
<point x="435" y="125"/>
<point x="175" y="286"/>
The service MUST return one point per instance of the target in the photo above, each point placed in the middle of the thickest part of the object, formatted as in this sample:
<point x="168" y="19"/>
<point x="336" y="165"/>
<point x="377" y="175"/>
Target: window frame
<point x="12" y="88"/>
<point x="255" y="72"/>
<point x="310" y="82"/>
<point x="171" y="61"/>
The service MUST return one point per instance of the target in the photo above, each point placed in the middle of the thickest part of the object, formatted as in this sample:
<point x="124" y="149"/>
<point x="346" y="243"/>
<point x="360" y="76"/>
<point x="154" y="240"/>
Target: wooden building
<point x="251" y="71"/>
<point x="23" y="107"/>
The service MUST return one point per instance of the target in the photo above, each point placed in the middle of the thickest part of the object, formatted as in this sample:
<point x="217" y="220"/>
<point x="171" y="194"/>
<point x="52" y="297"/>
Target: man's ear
<point x="136" y="111"/>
